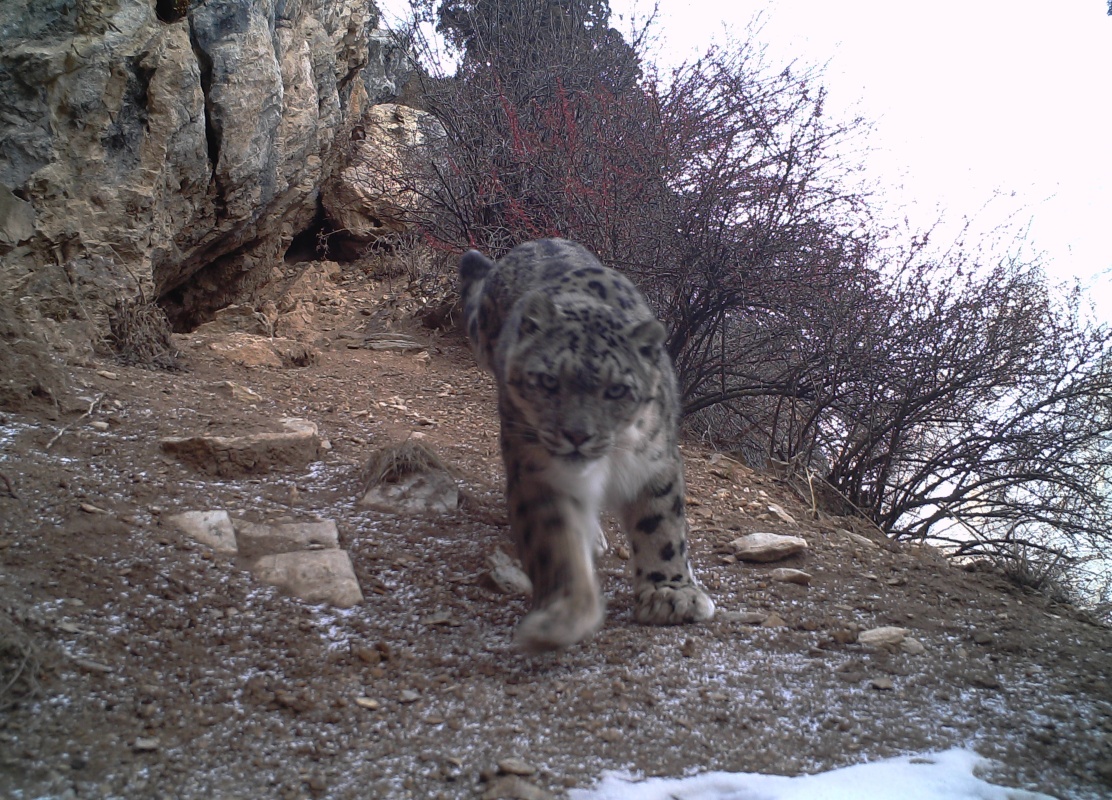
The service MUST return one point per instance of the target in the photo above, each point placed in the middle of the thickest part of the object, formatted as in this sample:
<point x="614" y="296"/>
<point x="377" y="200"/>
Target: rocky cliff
<point x="169" y="148"/>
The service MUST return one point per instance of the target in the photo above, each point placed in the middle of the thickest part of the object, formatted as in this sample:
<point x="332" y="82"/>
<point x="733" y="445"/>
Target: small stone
<point x="844" y="636"/>
<point x="509" y="579"/>
<point x="367" y="654"/>
<point x="785" y="575"/>
<point x="440" y="618"/>
<point x="99" y="425"/>
<point x="367" y="702"/>
<point x="89" y="508"/>
<point x="408" y="696"/>
<point x="516" y="766"/>
<point x="145" y="745"/>
<point x="317" y="783"/>
<point x="879" y="637"/>
<point x="781" y="514"/>
<point x="611" y="735"/>
<point x="982" y="637"/>
<point x="774" y="620"/>
<point x="882" y="684"/>
<point x="687" y="649"/>
<point x="108" y="375"/>
<point x="764" y="547"/>
<point x="505" y="576"/>
<point x="744" y="617"/>
<point x="514" y="787"/>
<point x="93" y="666"/>
<point x="985" y="680"/>
<point x="912" y="647"/>
<point x="236" y="392"/>
<point x="857" y="538"/>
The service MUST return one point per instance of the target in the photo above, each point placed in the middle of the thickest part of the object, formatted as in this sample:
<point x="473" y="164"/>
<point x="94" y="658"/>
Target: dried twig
<point x="66" y="427"/>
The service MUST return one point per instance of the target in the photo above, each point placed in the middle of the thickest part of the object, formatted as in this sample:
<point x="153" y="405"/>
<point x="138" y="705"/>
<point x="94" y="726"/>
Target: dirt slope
<point x="162" y="670"/>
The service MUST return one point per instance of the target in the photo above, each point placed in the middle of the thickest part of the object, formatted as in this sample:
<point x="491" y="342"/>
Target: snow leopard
<point x="589" y="408"/>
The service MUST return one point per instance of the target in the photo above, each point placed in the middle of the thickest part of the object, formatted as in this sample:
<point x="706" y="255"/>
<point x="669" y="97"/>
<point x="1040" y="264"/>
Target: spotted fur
<point x="588" y="406"/>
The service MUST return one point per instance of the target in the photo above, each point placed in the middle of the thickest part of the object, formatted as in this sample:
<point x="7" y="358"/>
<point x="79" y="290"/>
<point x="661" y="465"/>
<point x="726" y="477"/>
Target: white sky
<point x="938" y="776"/>
<point x="971" y="100"/>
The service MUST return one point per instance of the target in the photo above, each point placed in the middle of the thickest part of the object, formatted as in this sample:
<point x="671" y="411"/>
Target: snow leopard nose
<point x="577" y="436"/>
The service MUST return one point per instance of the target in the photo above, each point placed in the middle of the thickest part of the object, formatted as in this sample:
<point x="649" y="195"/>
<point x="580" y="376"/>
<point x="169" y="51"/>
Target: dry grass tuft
<point x="140" y="335"/>
<point x="395" y="462"/>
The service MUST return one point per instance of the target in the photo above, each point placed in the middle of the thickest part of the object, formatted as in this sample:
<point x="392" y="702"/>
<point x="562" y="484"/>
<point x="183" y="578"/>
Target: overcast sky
<point x="971" y="99"/>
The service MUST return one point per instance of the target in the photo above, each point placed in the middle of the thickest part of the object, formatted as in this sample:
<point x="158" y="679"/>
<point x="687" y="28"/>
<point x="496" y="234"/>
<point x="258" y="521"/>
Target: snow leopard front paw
<point x="672" y="604"/>
<point x="559" y="624"/>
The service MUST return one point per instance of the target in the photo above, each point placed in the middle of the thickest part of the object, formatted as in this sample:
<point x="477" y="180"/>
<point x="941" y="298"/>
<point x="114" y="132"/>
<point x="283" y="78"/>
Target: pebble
<point x="882" y="684"/>
<point x="515" y="766"/>
<point x="367" y="702"/>
<point x="408" y="696"/>
<point x="145" y="745"/>
<point x="106" y="374"/>
<point x="913" y="647"/>
<point x="786" y="575"/>
<point x="98" y="425"/>
<point x="744" y="617"/>
<point x="93" y="666"/>
<point x="780" y="513"/>
<point x="514" y="787"/>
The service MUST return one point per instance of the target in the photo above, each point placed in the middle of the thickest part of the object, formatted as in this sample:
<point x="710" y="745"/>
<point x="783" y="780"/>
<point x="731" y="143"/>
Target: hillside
<point x="135" y="662"/>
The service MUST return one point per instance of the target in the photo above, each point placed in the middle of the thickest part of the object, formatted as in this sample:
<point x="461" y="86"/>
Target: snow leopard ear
<point x="537" y="312"/>
<point x="473" y="266"/>
<point x="647" y="337"/>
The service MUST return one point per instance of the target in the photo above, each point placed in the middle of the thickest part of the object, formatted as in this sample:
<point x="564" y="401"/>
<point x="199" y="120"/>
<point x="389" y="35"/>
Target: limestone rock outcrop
<point x="170" y="149"/>
<point x="367" y="199"/>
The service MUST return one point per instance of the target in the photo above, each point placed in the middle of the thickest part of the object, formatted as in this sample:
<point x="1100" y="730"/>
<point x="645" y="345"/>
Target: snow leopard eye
<point x="616" y="391"/>
<point x="550" y="383"/>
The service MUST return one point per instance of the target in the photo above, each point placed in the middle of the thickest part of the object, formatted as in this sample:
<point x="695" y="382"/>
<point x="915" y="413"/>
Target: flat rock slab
<point x="211" y="528"/>
<point x="250" y="350"/>
<point x="767" y="546"/>
<point x="505" y="576"/>
<point x="432" y="492"/>
<point x="296" y="446"/>
<point x="315" y="576"/>
<point x="255" y="539"/>
<point x="786" y="575"/>
<point x="780" y="514"/>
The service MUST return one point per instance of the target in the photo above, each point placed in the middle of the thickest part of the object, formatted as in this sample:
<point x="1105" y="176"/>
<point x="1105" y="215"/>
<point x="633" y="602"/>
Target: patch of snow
<point x="947" y="775"/>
